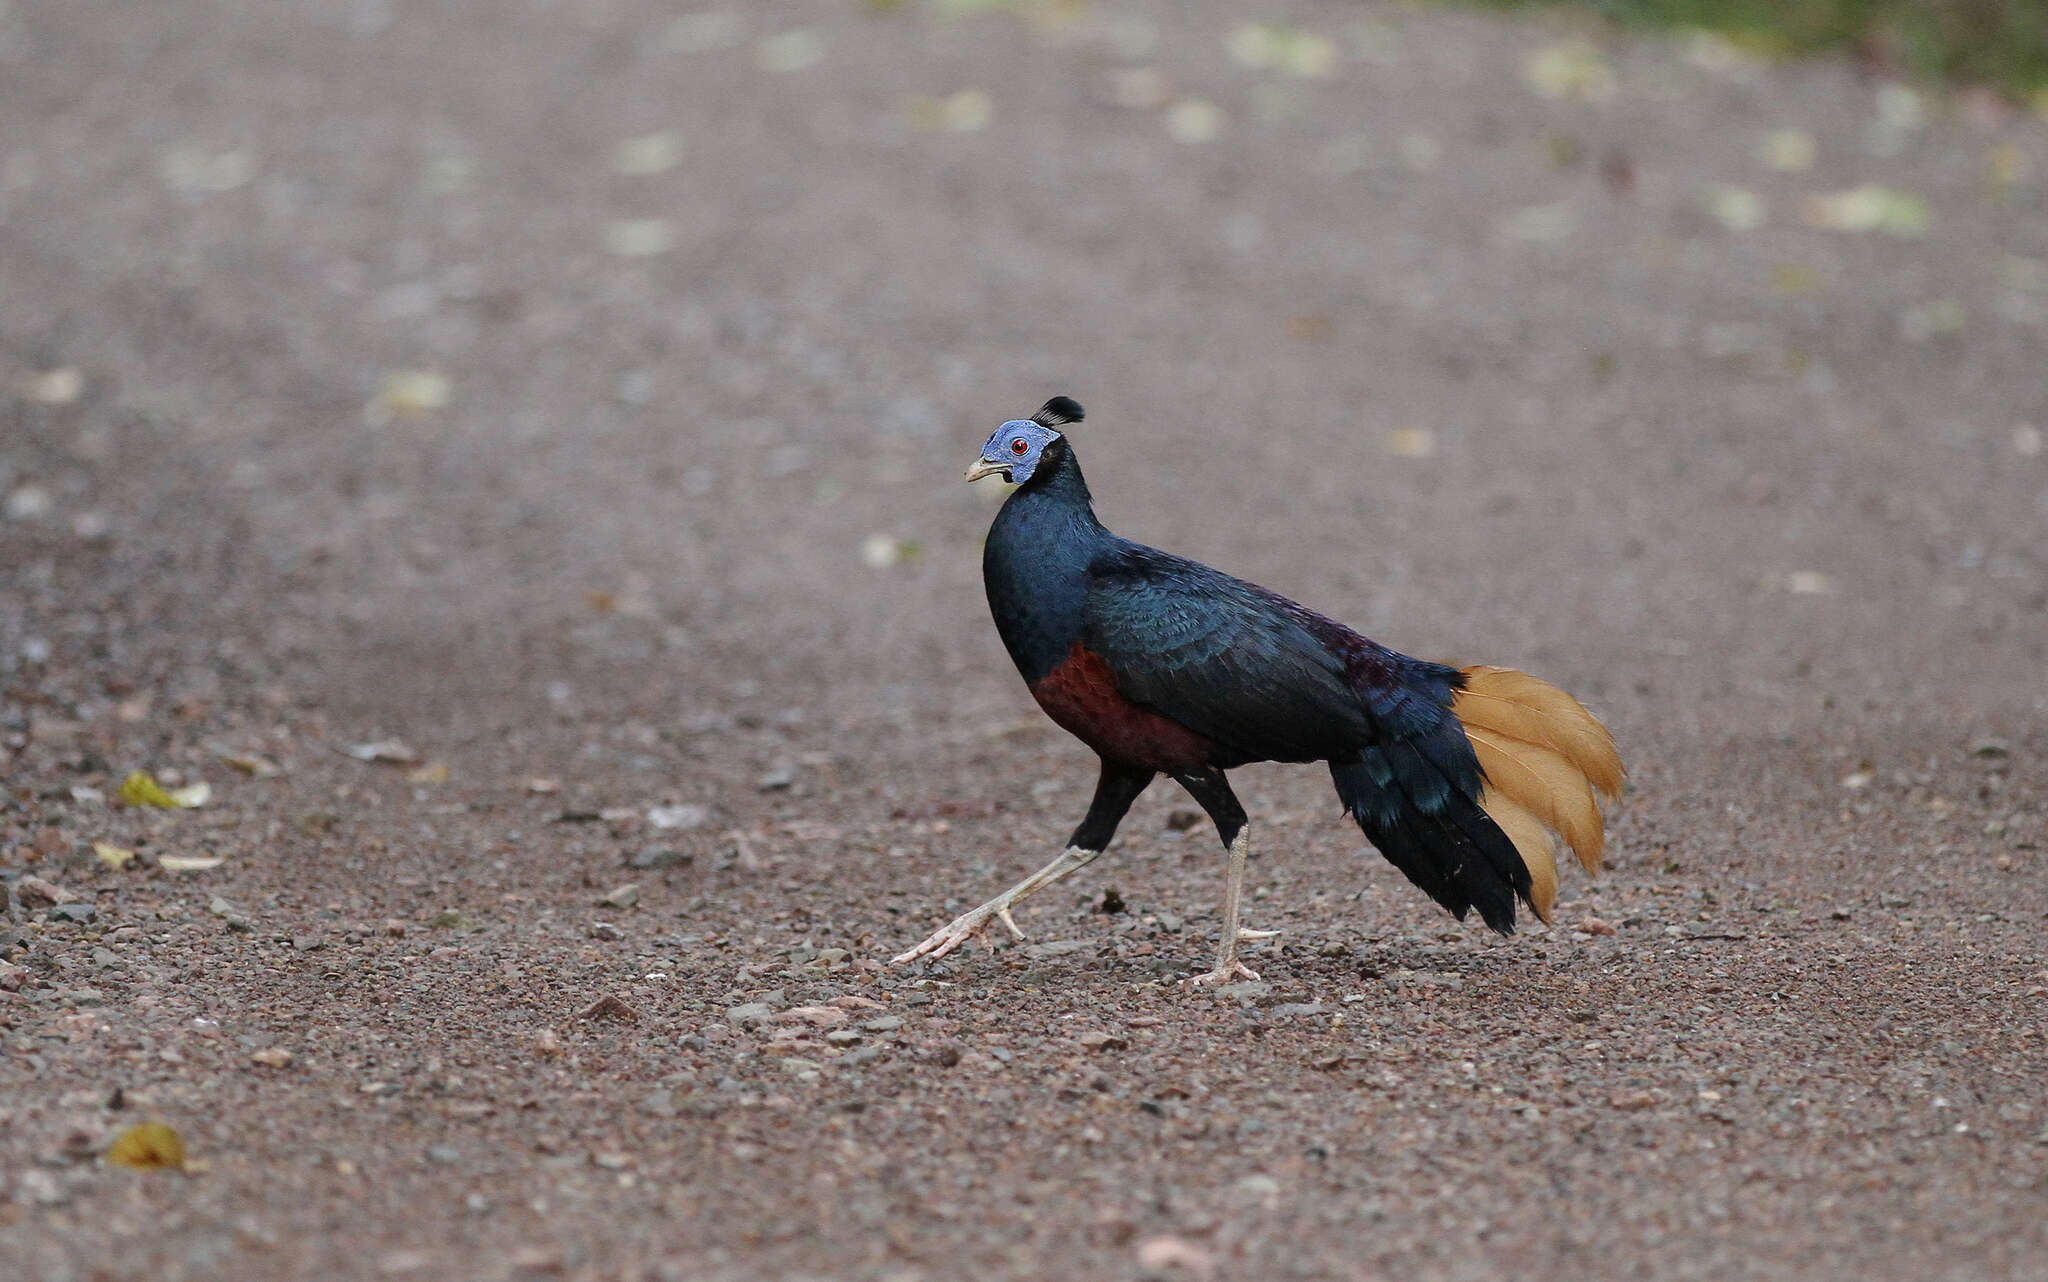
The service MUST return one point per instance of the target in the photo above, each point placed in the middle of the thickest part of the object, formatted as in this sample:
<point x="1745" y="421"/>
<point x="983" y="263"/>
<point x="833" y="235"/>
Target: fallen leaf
<point x="2005" y="165"/>
<point x="1411" y="442"/>
<point x="1285" y="49"/>
<point x="114" y="857"/>
<point x="704" y="31"/>
<point x="1788" y="150"/>
<point x="409" y="393"/>
<point x="647" y="154"/>
<point x="251" y="764"/>
<point x="148" y="1146"/>
<point x="1924" y="321"/>
<point x="1736" y="208"/>
<point x="1870" y="207"/>
<point x="432" y="772"/>
<point x="1571" y="69"/>
<point x="140" y="788"/>
<point x="59" y="386"/>
<point x="639" y="237"/>
<point x="1795" y="278"/>
<point x="1714" y="52"/>
<point x="189" y="863"/>
<point x="390" y="751"/>
<point x="272" y="1057"/>
<point x="1194" y="120"/>
<point x="1809" y="583"/>
<point x="1138" y="88"/>
<point x="790" y="51"/>
<point x="964" y="112"/>
<point x="1538" y="224"/>
<point x="1901" y="107"/>
<point x="541" y="787"/>
<point x="29" y="503"/>
<point x="881" y="551"/>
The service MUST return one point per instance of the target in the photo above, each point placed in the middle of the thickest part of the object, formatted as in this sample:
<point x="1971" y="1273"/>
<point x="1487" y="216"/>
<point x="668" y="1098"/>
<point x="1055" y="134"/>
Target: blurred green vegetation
<point x="1992" y="42"/>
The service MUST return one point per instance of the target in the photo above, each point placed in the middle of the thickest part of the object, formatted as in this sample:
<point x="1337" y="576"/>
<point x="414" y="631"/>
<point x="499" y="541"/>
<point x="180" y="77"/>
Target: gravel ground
<point x="565" y="404"/>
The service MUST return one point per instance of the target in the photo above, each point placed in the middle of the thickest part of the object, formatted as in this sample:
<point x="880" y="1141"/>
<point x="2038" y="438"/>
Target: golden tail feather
<point x="1522" y="707"/>
<point x="1545" y="757"/>
<point x="1533" y="842"/>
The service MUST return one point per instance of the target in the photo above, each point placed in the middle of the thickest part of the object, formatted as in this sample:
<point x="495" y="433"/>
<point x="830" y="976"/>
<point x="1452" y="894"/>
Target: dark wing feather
<point x="1265" y="679"/>
<point x="1224" y="658"/>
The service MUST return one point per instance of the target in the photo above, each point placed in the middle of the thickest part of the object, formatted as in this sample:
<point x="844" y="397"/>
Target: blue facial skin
<point x="1002" y="452"/>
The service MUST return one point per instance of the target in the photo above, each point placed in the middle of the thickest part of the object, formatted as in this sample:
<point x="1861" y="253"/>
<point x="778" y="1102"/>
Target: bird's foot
<point x="1223" y="974"/>
<point x="970" y="925"/>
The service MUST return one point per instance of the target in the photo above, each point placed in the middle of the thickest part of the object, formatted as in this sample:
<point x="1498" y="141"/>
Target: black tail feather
<point x="1437" y="836"/>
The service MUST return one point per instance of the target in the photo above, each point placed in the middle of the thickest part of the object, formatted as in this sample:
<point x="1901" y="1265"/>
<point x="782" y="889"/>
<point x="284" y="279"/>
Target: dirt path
<point x="577" y="393"/>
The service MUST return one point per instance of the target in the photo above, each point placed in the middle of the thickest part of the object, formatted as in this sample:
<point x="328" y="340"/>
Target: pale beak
<point x="983" y="467"/>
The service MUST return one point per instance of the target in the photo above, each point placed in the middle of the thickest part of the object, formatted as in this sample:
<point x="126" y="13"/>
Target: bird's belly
<point x="1081" y="695"/>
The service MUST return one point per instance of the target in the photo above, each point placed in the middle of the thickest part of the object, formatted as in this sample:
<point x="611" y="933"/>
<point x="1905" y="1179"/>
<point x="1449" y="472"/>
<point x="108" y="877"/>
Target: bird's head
<point x="1017" y="446"/>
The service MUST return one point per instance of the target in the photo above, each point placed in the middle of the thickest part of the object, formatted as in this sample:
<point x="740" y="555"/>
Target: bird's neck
<point x="1035" y="565"/>
<point x="1054" y="504"/>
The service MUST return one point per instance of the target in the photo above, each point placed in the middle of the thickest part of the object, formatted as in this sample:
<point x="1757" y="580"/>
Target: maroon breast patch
<point x="1081" y="695"/>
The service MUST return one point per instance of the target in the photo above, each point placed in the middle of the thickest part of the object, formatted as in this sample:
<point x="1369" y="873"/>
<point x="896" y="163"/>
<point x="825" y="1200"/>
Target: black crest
<point x="1059" y="410"/>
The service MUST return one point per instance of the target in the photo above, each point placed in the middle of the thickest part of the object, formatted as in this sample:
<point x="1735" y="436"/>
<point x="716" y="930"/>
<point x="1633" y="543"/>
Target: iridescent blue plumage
<point x="1163" y="665"/>
<point x="1254" y="675"/>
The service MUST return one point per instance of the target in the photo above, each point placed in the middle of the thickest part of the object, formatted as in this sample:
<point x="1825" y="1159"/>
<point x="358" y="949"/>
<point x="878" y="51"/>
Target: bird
<point x="1468" y="780"/>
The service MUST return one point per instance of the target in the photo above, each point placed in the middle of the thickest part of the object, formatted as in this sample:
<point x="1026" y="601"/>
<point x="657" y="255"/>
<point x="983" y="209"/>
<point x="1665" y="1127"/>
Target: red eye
<point x="1018" y="446"/>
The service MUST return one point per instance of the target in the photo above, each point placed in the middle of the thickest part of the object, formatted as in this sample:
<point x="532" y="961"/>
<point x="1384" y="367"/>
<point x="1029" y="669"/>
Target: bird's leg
<point x="1228" y="967"/>
<point x="970" y="924"/>
<point x="1209" y="787"/>
<point x="1117" y="788"/>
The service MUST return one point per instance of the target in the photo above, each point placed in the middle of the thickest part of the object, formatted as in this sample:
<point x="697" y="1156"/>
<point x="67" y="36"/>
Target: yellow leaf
<point x="432" y="772"/>
<point x="112" y="856"/>
<point x="149" y="1146"/>
<point x="140" y="788"/>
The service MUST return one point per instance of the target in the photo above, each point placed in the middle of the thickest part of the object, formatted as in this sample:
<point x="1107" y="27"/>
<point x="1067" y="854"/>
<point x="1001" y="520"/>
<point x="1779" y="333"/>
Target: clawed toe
<point x="961" y="929"/>
<point x="1223" y="975"/>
